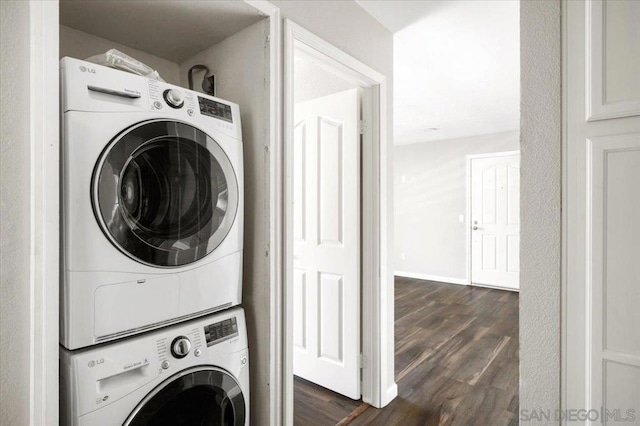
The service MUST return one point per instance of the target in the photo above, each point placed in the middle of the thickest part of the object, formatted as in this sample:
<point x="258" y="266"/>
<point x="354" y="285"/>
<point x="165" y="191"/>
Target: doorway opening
<point x="335" y="112"/>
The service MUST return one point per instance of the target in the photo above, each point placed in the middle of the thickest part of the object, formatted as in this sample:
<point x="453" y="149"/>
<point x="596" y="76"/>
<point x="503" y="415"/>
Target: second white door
<point x="326" y="250"/>
<point x="495" y="220"/>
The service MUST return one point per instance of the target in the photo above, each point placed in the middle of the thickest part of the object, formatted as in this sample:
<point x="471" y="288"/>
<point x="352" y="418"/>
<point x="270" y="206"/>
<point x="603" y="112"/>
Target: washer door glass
<point x="203" y="396"/>
<point x="165" y="193"/>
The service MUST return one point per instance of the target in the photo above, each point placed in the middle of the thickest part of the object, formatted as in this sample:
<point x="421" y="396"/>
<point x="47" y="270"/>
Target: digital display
<point x="221" y="331"/>
<point x="215" y="109"/>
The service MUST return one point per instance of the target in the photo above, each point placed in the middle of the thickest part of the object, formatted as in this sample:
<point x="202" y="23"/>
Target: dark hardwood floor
<point x="456" y="362"/>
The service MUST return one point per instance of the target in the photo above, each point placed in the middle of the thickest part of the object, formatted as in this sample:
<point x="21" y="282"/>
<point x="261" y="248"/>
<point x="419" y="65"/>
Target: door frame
<point x="376" y="289"/>
<point x="44" y="230"/>
<point x="467" y="221"/>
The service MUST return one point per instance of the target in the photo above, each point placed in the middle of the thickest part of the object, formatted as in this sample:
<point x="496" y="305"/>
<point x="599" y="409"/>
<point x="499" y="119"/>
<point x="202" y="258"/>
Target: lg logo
<point x="89" y="70"/>
<point x="93" y="363"/>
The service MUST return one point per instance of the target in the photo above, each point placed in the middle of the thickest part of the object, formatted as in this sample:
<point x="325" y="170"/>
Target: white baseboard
<point x="449" y="280"/>
<point x="495" y="287"/>
<point x="390" y="394"/>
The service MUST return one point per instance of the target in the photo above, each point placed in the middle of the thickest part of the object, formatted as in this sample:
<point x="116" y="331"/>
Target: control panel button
<point x="190" y="112"/>
<point x="157" y="105"/>
<point x="174" y="98"/>
<point x="165" y="364"/>
<point x="197" y="352"/>
<point x="180" y="347"/>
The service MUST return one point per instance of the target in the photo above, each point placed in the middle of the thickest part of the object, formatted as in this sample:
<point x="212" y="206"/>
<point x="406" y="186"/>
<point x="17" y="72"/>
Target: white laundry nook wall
<point x="430" y="183"/>
<point x="81" y="45"/>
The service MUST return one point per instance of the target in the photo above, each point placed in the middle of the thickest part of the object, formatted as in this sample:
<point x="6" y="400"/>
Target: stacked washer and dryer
<point x="152" y="253"/>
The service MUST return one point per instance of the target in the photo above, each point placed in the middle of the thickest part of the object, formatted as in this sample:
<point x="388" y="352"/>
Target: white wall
<point x="14" y="215"/>
<point x="81" y="45"/>
<point x="311" y="81"/>
<point x="350" y="28"/>
<point x="428" y="204"/>
<point x="240" y="64"/>
<point x="540" y="204"/>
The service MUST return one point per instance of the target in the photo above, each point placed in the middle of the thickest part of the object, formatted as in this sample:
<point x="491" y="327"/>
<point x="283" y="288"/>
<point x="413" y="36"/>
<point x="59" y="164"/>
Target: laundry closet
<point x="224" y="47"/>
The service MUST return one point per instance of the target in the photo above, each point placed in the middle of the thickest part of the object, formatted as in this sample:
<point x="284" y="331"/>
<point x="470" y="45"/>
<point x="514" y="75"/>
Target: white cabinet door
<point x="326" y="250"/>
<point x="495" y="220"/>
<point x="602" y="205"/>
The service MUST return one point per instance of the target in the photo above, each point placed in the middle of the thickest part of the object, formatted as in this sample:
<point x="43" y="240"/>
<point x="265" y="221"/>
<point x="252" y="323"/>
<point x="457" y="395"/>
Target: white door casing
<point x="601" y="219"/>
<point x="326" y="231"/>
<point x="495" y="220"/>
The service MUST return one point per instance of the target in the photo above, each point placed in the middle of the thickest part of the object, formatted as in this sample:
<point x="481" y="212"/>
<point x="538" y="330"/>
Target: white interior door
<point x="326" y="249"/>
<point x="602" y="206"/>
<point x="495" y="220"/>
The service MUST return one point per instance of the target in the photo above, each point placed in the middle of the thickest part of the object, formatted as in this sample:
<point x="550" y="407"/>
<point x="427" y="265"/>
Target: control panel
<point x="215" y="109"/>
<point x="221" y="331"/>
<point x="180" y="346"/>
<point x="88" y="87"/>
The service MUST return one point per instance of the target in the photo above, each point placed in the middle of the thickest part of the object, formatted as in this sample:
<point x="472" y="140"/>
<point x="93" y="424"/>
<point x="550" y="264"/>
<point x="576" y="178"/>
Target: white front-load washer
<point x="193" y="373"/>
<point x="152" y="204"/>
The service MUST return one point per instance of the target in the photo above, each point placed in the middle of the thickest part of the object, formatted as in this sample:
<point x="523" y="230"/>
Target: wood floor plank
<point x="315" y="405"/>
<point x="457" y="362"/>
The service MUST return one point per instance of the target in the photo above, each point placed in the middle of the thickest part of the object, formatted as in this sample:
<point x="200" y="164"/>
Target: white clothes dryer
<point x="194" y="373"/>
<point x="152" y="204"/>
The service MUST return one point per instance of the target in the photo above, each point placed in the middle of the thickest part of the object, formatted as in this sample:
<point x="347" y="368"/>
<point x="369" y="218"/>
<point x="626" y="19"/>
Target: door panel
<point x="300" y="309"/>
<point x="612" y="36"/>
<point x="299" y="181"/>
<point x="615" y="271"/>
<point x="327" y="245"/>
<point x="330" y="166"/>
<point x="513" y="195"/>
<point x="495" y="221"/>
<point x="331" y="322"/>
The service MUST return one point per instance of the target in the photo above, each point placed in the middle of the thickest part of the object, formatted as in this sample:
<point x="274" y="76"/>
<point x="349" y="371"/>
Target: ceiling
<point x="173" y="30"/>
<point x="456" y="67"/>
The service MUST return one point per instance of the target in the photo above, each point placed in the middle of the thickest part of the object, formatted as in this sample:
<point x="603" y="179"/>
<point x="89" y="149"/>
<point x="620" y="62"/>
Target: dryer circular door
<point x="165" y="193"/>
<point x="205" y="396"/>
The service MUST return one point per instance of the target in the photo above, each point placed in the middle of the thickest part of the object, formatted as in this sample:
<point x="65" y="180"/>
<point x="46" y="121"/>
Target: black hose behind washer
<point x="206" y="85"/>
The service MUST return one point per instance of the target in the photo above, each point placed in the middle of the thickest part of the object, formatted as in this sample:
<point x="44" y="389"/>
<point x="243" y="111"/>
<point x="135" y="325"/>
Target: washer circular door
<point x="165" y="193"/>
<point x="204" y="396"/>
